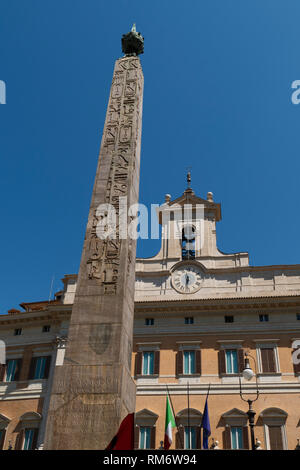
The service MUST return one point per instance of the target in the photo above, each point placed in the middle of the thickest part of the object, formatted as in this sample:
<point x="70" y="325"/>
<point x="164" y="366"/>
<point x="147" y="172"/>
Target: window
<point x="39" y="367"/>
<point x="46" y="328"/>
<point x="189" y="362"/>
<point x="264" y="317"/>
<point x="149" y="321"/>
<point x="229" y="319"/>
<point x="18" y="331"/>
<point x="298" y="316"/>
<point x="145" y="429"/>
<point x="236" y="434"/>
<point x="189" y="320"/>
<point x="11" y="367"/>
<point x="188" y="242"/>
<point x="268" y="363"/>
<point x="274" y="420"/>
<point x="148" y="363"/>
<point x="231" y="361"/>
<point x="145" y="437"/>
<point x="190" y="437"/>
<point x="30" y="436"/>
<point x="275" y="438"/>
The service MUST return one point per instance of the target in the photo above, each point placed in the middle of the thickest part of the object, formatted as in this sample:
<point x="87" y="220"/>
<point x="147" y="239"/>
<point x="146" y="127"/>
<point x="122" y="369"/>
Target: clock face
<point x="187" y="279"/>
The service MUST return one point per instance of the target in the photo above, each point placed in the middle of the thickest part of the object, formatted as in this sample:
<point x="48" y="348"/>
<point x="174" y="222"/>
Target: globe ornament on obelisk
<point x="93" y="390"/>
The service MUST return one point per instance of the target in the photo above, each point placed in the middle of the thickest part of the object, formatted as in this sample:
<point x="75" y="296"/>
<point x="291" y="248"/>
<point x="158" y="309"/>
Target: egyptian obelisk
<point x="93" y="390"/>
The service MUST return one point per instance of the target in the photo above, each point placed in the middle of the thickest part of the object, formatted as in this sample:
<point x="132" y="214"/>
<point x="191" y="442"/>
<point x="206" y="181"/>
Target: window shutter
<point x="226" y="438"/>
<point x="2" y="439"/>
<point x="296" y="366"/>
<point x="138" y="363"/>
<point x="34" y="439"/>
<point x="268" y="360"/>
<point x="136" y="437"/>
<point x="47" y="367"/>
<point x="271" y="357"/>
<point x="32" y="368"/>
<point x="198" y="361"/>
<point x="275" y="436"/>
<point x="222" y="363"/>
<point x="2" y="372"/>
<point x="18" y="369"/>
<point x="180" y="438"/>
<point x="245" y="438"/>
<point x="152" y="437"/>
<point x="179" y="363"/>
<point x="19" y="440"/>
<point x="156" y="362"/>
<point x="198" y="437"/>
<point x="241" y="360"/>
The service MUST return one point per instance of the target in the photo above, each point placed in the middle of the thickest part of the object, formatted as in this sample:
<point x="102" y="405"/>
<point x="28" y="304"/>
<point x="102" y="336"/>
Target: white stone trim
<point x="283" y="433"/>
<point x="151" y="346"/>
<point x="267" y="344"/>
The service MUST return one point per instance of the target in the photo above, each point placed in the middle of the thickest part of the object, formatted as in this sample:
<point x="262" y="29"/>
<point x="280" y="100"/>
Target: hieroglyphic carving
<point x="123" y="111"/>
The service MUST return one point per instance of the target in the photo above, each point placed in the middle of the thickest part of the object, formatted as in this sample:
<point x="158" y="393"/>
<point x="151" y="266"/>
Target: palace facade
<point x="197" y="312"/>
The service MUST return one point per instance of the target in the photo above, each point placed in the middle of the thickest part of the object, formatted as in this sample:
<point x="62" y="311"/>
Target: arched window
<point x="273" y="420"/>
<point x="28" y="431"/>
<point x="188" y="435"/>
<point x="145" y="429"/>
<point x="235" y="435"/>
<point x="188" y="242"/>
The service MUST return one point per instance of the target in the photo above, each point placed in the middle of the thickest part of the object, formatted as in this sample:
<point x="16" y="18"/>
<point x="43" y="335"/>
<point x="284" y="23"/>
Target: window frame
<point x="229" y="350"/>
<point x="242" y="437"/>
<point x="148" y="437"/>
<point x="193" y="438"/>
<point x="152" y="353"/>
<point x="227" y="317"/>
<point x="267" y="345"/>
<point x="283" y="435"/>
<point x="191" y="362"/>
<point x="263" y="317"/>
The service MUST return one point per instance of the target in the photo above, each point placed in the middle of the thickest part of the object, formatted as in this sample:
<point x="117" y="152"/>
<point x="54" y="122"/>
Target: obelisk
<point x="93" y="389"/>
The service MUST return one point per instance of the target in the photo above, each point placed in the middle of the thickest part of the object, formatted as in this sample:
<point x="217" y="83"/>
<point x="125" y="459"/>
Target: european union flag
<point x="205" y="426"/>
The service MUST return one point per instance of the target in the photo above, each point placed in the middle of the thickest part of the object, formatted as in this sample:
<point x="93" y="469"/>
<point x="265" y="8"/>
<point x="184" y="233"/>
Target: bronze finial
<point x="132" y="43"/>
<point x="189" y="179"/>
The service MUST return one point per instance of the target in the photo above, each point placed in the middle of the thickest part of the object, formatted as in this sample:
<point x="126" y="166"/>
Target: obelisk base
<point x="86" y="416"/>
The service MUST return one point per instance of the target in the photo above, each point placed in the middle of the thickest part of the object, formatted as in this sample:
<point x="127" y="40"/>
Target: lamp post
<point x="248" y="374"/>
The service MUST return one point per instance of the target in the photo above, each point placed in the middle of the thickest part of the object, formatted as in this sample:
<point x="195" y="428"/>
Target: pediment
<point x="146" y="414"/>
<point x="234" y="413"/>
<point x="4" y="418"/>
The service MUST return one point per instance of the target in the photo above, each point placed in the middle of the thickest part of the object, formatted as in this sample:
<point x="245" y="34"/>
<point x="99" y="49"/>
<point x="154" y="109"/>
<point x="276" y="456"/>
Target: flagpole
<point x="202" y="417"/>
<point x="174" y="416"/>
<point x="204" y="402"/>
<point x="189" y="430"/>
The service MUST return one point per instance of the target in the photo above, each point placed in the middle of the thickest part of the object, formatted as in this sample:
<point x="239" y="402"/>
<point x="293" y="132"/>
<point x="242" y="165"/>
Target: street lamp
<point x="248" y="374"/>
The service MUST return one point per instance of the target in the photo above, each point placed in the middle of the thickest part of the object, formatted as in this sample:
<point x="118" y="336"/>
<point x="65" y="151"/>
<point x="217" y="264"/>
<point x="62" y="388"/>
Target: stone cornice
<point x="218" y="303"/>
<point x="221" y="270"/>
<point x="56" y="314"/>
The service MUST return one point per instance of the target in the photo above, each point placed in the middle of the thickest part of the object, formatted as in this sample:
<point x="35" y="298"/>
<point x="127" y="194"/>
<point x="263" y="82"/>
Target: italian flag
<point x="170" y="423"/>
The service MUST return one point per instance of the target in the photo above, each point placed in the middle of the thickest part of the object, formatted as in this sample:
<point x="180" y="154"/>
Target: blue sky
<point x="217" y="97"/>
